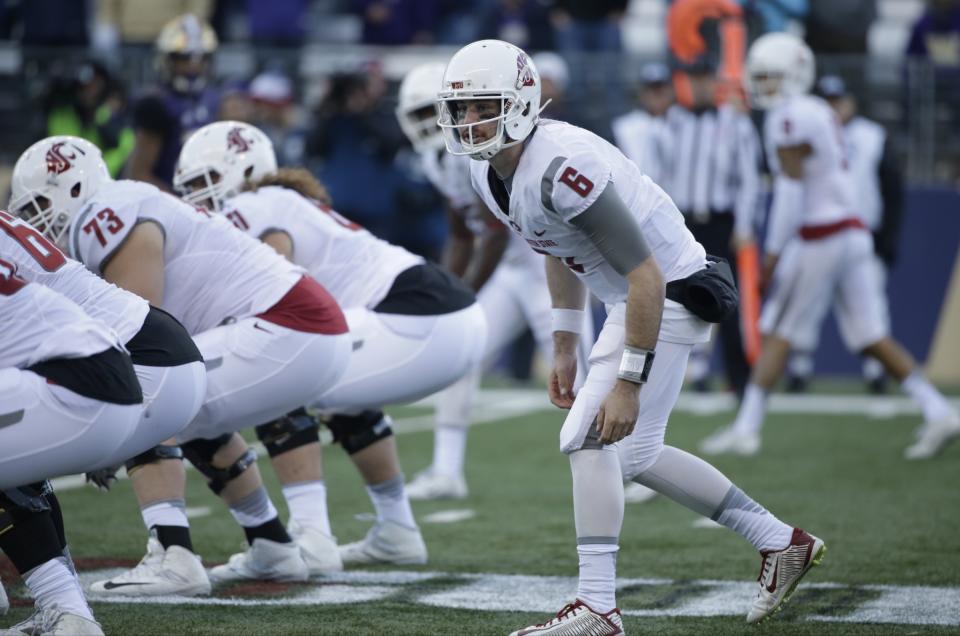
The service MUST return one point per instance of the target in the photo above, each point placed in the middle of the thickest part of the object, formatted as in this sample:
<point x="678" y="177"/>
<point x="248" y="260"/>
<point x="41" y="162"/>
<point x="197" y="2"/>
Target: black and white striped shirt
<point x="714" y="164"/>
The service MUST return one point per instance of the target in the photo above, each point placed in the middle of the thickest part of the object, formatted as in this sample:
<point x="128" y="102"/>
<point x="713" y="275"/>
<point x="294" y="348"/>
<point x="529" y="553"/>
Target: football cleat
<point x="781" y="571"/>
<point x="428" y="485"/>
<point x="728" y="441"/>
<point x="933" y="437"/>
<point x="318" y="549"/>
<point x="577" y="619"/>
<point x="637" y="493"/>
<point x="265" y="560"/>
<point x="25" y="626"/>
<point x="53" y="621"/>
<point x="387" y="542"/>
<point x="162" y="572"/>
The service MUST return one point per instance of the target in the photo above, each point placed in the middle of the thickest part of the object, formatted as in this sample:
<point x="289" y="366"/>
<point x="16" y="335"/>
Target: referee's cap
<point x="654" y="73"/>
<point x="832" y="87"/>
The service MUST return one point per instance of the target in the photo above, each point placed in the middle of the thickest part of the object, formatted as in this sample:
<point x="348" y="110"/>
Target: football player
<point x="416" y="329"/>
<point x="509" y="279"/>
<point x="165" y="115"/>
<point x="605" y="226"/>
<point x="167" y="363"/>
<point x="819" y="251"/>
<point x="70" y="399"/>
<point x="271" y="338"/>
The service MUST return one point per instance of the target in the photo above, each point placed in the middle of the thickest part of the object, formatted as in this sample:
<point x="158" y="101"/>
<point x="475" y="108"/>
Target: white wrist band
<point x="567" y="320"/>
<point x="635" y="364"/>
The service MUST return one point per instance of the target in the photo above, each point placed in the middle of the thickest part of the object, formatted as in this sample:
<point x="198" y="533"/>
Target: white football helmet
<point x="218" y="159"/>
<point x="489" y="70"/>
<point x="417" y="106"/>
<point x="779" y="65"/>
<point x="52" y="180"/>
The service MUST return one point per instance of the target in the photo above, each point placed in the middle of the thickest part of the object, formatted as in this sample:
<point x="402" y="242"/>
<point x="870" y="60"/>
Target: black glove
<point x="103" y="478"/>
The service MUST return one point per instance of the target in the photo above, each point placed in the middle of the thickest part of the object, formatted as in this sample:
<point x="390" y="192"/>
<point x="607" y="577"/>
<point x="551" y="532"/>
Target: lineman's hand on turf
<point x="561" y="379"/>
<point x="103" y="478"/>
<point x="619" y="411"/>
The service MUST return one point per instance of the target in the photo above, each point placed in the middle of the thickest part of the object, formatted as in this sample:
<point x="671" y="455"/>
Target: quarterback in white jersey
<point x="606" y="227"/>
<point x="270" y="336"/>
<point x="819" y="252"/>
<point x="508" y="276"/>
<point x="416" y="329"/>
<point x="68" y="398"/>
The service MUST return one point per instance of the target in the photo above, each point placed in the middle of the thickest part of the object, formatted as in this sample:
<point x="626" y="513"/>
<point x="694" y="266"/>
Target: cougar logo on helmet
<point x="57" y="161"/>
<point x="524" y="74"/>
<point x="236" y="142"/>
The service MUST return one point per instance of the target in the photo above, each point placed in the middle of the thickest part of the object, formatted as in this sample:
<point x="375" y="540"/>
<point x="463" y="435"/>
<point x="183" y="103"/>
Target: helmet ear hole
<point x="75" y="190"/>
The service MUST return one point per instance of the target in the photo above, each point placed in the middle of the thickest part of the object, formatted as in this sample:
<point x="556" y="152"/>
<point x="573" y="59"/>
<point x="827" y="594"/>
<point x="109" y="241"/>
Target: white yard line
<point x="910" y="605"/>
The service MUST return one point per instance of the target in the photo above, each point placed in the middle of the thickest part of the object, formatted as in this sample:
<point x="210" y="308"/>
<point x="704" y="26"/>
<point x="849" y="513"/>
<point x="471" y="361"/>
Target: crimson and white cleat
<point x="933" y="437"/>
<point x="174" y="571"/>
<point x="781" y="571"/>
<point x="637" y="493"/>
<point x="727" y="441"/>
<point x="265" y="560"/>
<point x="578" y="619"/>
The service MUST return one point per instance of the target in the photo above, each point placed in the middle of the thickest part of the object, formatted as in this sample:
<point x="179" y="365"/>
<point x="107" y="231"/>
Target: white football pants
<point x="258" y="371"/>
<point x="515" y="297"/>
<point x="172" y="397"/>
<point x="398" y="358"/>
<point x="47" y="430"/>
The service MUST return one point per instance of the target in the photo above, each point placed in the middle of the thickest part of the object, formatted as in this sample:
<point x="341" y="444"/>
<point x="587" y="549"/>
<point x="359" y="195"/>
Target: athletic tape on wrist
<point x="567" y="320"/>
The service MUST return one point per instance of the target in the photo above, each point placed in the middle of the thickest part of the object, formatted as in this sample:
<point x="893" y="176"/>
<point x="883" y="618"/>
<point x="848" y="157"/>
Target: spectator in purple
<point x="280" y="23"/>
<point x="936" y="34"/>
<point x="395" y="22"/>
<point x="523" y="23"/>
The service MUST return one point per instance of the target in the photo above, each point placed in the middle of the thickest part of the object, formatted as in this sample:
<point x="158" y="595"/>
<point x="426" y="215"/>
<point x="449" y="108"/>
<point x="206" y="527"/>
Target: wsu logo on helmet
<point x="524" y="74"/>
<point x="57" y="161"/>
<point x="236" y="142"/>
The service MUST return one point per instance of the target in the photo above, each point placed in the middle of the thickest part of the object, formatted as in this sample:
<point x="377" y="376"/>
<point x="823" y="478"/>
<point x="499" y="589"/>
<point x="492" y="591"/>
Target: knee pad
<point x="356" y="432"/>
<point x="200" y="452"/>
<point x="155" y="454"/>
<point x="293" y="430"/>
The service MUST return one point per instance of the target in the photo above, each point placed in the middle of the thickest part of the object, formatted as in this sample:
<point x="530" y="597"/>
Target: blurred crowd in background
<point x="320" y="77"/>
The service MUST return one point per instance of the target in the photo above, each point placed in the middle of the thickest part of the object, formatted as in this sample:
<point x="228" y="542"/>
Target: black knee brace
<point x="28" y="533"/>
<point x="152" y="455"/>
<point x="200" y="452"/>
<point x="22" y="502"/>
<point x="293" y="430"/>
<point x="356" y="432"/>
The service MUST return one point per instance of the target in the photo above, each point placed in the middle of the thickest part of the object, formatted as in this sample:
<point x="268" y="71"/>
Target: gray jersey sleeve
<point x="614" y="231"/>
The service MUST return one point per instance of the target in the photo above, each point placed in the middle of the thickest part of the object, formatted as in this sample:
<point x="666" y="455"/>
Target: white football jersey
<point x="450" y="175"/>
<point x="864" y="142"/>
<point x="827" y="181"/>
<point x="39" y="324"/>
<point x="213" y="271"/>
<point x="356" y="267"/>
<point x="561" y="173"/>
<point x="38" y="260"/>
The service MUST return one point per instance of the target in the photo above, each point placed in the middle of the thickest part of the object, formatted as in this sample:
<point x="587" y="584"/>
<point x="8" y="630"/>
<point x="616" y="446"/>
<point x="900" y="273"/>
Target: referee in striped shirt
<point x="714" y="178"/>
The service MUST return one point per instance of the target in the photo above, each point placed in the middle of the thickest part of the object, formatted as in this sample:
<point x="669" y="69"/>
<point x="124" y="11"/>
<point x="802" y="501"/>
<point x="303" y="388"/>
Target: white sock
<point x="598" y="516"/>
<point x="872" y="369"/>
<point x="52" y="583"/>
<point x="254" y="510"/>
<point x="169" y="512"/>
<point x="753" y="522"/>
<point x="390" y="501"/>
<point x="449" y="448"/>
<point x="597" y="585"/>
<point x="750" y="417"/>
<point x="801" y="364"/>
<point x="307" y="502"/>
<point x="931" y="401"/>
<point x="696" y="484"/>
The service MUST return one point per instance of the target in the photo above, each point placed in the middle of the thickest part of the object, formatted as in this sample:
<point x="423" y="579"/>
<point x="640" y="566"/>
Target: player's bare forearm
<point x="644" y="305"/>
<point x="458" y="252"/>
<point x="566" y="292"/>
<point x="489" y="251"/>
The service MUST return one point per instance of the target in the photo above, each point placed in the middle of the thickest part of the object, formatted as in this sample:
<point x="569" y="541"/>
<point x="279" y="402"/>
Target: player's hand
<point x="103" y="478"/>
<point x="740" y="241"/>
<point x="619" y="411"/>
<point x="561" y="379"/>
